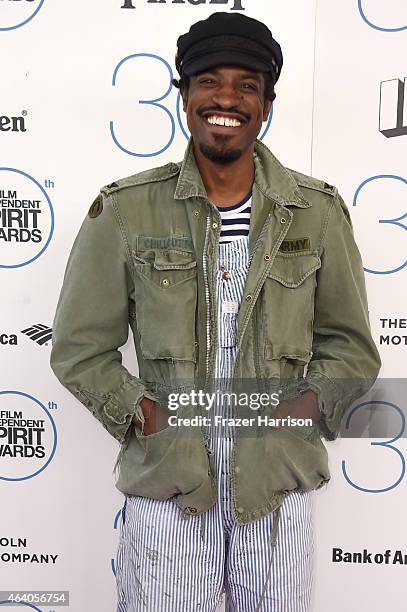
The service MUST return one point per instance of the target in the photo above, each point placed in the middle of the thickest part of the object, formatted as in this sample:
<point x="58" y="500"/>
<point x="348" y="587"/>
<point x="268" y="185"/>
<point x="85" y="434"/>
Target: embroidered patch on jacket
<point x="293" y="245"/>
<point x="96" y="208"/>
<point x="164" y="243"/>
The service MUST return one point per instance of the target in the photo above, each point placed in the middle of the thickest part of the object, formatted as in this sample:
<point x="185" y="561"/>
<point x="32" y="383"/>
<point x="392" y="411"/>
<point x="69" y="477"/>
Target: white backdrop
<point x="70" y="122"/>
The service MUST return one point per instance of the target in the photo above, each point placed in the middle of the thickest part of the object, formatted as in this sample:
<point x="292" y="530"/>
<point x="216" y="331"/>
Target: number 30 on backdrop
<point x="161" y="109"/>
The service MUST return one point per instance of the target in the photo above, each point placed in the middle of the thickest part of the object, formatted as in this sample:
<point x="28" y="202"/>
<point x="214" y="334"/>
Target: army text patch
<point x="293" y="245"/>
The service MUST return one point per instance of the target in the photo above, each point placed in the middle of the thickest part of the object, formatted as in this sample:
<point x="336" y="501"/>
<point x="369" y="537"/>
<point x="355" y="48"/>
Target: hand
<point x="304" y="407"/>
<point x="156" y="417"/>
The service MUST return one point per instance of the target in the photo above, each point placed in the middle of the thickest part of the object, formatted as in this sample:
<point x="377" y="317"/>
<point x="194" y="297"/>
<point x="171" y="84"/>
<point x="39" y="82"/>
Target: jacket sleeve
<point x="345" y="361"/>
<point x="92" y="322"/>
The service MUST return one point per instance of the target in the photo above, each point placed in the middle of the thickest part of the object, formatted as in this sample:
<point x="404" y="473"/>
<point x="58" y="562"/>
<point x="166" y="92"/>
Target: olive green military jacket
<point x="145" y="256"/>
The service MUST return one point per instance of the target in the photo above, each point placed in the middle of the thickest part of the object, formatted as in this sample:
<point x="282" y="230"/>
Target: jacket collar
<point x="271" y="178"/>
<point x="189" y="183"/>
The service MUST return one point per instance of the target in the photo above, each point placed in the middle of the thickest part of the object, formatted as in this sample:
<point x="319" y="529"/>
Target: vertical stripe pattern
<point x="171" y="562"/>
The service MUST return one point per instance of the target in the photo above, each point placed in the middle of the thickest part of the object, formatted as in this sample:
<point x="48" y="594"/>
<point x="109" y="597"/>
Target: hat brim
<point x="224" y="57"/>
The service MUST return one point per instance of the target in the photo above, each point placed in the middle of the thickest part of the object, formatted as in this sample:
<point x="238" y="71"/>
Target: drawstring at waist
<point x="202" y="528"/>
<point x="273" y="542"/>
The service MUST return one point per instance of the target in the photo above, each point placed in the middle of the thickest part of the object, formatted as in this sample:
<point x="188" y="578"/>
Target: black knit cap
<point x="228" y="38"/>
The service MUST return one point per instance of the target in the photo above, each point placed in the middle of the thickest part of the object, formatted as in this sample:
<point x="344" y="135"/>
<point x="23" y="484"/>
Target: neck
<point x="226" y="184"/>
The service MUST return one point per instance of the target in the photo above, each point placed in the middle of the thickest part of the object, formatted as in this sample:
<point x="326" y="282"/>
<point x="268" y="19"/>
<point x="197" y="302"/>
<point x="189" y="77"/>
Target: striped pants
<point x="171" y="562"/>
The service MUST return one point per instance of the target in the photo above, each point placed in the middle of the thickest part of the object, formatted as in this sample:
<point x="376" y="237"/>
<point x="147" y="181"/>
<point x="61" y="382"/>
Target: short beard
<point x="220" y="155"/>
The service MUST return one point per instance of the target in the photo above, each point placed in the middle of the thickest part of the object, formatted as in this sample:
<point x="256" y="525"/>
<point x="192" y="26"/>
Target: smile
<point x="223" y="121"/>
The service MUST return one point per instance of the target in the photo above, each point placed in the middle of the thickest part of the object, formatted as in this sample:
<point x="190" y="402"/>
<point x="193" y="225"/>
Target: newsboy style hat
<point x="228" y="38"/>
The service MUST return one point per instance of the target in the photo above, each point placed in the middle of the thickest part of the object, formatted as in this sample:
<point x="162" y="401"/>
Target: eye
<point x="251" y="86"/>
<point x="206" y="80"/>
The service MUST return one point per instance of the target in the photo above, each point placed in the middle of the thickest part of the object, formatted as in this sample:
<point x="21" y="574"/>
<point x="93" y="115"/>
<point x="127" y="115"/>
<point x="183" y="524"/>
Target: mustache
<point x="214" y="109"/>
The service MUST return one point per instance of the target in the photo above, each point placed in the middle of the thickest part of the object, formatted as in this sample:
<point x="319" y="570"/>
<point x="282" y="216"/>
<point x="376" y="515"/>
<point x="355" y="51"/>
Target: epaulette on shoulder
<point x="153" y="175"/>
<point x="303" y="180"/>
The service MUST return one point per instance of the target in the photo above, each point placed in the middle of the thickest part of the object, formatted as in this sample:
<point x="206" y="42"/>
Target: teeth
<point x="224" y="121"/>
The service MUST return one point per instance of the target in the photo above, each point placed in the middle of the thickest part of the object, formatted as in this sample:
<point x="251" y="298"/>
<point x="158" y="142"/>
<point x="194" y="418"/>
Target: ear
<point x="267" y="109"/>
<point x="184" y="95"/>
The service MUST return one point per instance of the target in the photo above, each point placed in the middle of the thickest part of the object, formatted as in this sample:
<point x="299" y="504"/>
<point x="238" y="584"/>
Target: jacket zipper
<point x="205" y="432"/>
<point x="207" y="302"/>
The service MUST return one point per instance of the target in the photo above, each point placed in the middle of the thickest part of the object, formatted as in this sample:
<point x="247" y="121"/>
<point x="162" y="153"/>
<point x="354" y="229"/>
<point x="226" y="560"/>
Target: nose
<point x="227" y="95"/>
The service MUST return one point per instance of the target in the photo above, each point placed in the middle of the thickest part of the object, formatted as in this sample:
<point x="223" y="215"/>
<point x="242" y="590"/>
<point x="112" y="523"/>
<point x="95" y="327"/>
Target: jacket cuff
<point x="121" y="406"/>
<point x="329" y="403"/>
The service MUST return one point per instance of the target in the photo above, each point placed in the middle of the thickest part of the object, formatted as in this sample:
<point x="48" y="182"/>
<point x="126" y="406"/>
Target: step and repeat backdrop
<point x="86" y="98"/>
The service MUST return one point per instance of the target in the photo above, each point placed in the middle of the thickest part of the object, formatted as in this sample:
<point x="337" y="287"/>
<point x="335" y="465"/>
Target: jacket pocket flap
<point x="172" y="260"/>
<point x="292" y="270"/>
<point x="166" y="260"/>
<point x="290" y="354"/>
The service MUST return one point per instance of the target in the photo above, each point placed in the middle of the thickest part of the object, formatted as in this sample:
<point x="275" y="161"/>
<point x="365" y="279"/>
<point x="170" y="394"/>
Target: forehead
<point x="233" y="71"/>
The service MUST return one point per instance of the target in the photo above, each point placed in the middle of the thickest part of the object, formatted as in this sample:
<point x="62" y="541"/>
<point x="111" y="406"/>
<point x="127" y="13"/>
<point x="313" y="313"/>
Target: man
<point x="228" y="268"/>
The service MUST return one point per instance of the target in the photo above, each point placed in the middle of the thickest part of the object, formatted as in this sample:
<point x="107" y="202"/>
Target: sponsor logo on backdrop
<point x="8" y="339"/>
<point x="393" y="108"/>
<point x="17" y="13"/>
<point x="26" y="218"/>
<point x="234" y="5"/>
<point x="395" y="333"/>
<point x="367" y="557"/>
<point x="38" y="333"/>
<point x="17" y="550"/>
<point x="119" y="515"/>
<point x="28" y="436"/>
<point x="380" y="16"/>
<point x="390" y="424"/>
<point x="13" y="123"/>
<point x="385" y="188"/>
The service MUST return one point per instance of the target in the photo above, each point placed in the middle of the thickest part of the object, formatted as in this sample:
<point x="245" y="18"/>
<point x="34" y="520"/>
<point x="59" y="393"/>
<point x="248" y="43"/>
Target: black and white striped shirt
<point x="235" y="220"/>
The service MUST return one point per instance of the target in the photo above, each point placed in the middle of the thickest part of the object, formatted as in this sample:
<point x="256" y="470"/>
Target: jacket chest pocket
<point x="165" y="303"/>
<point x="288" y="306"/>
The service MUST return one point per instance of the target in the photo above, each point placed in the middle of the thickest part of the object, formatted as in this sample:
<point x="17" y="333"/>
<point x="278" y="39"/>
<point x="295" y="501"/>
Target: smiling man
<point x="229" y="268"/>
<point x="225" y="136"/>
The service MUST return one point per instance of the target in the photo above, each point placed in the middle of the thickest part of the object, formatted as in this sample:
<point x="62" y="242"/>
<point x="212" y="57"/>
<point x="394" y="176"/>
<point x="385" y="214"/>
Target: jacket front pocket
<point x="170" y="463"/>
<point x="288" y="305"/>
<point x="165" y="303"/>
